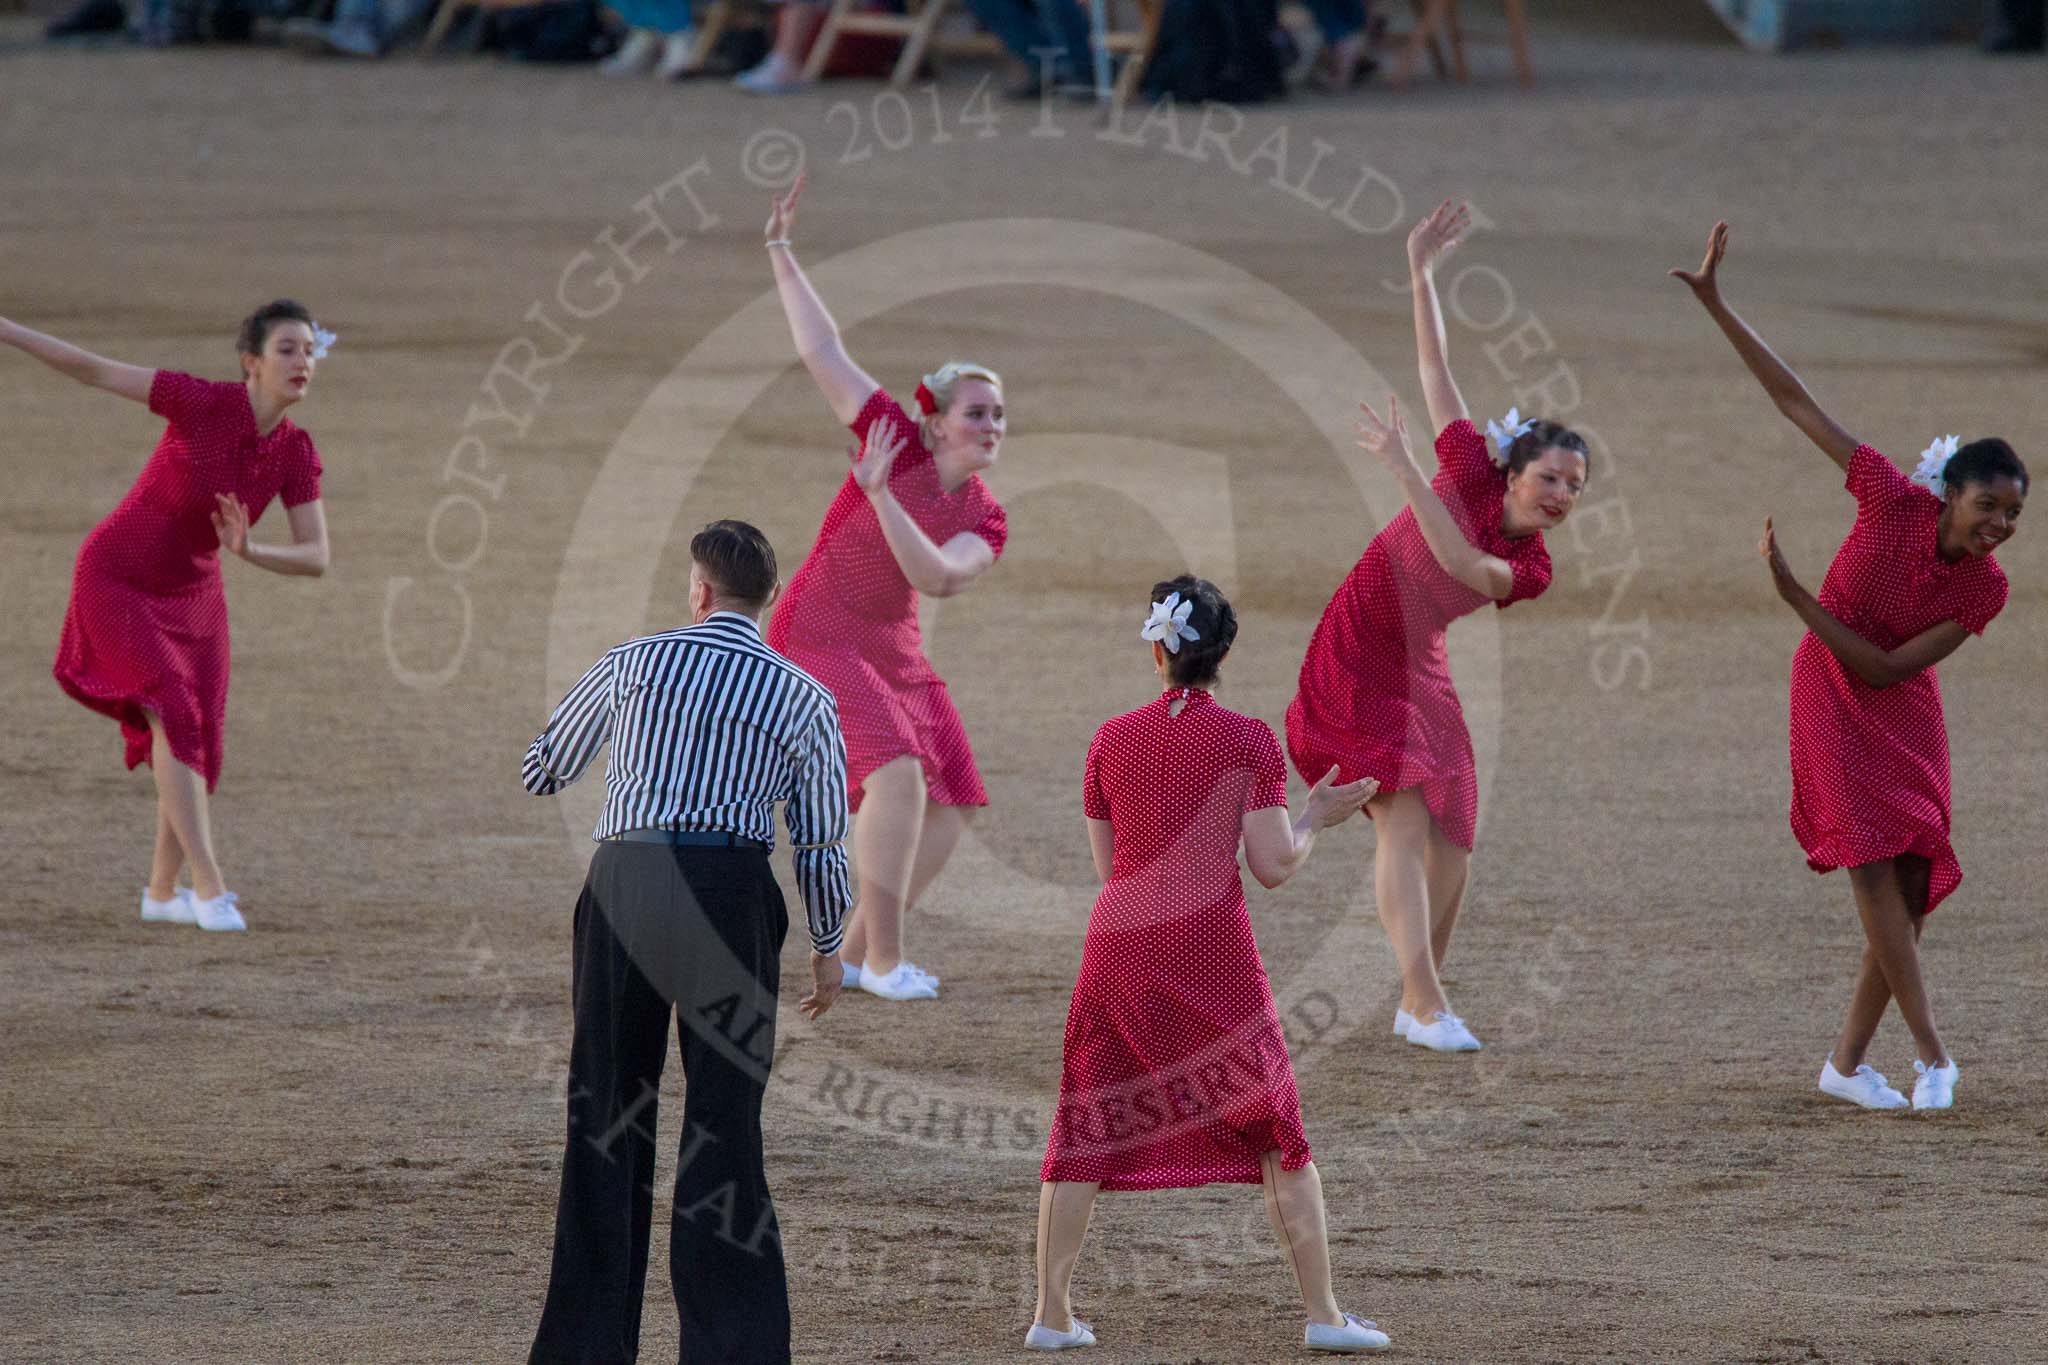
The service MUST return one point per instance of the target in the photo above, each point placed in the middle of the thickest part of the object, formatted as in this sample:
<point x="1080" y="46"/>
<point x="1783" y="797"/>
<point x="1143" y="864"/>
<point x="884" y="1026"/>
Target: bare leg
<point x="1294" y="1203"/>
<point x="168" y="859"/>
<point x="1444" y="867"/>
<point x="885" y="838"/>
<point x="1872" y="993"/>
<point x="943" y="826"/>
<point x="1401" y="826"/>
<point x="1063" y="1210"/>
<point x="1893" y="931"/>
<point x="181" y="796"/>
<point x="794" y="25"/>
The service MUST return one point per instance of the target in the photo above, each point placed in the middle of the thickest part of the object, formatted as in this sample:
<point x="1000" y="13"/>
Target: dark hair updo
<point x="256" y="327"/>
<point x="1542" y="435"/>
<point x="1982" y="462"/>
<point x="1197" y="662"/>
<point x="737" y="559"/>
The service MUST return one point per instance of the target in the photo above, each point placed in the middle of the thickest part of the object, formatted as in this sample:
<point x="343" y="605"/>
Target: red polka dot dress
<point x="1375" y="697"/>
<point x="147" y="625"/>
<point x="849" y="619"/>
<point x="1176" y="1071"/>
<point x="1869" y="764"/>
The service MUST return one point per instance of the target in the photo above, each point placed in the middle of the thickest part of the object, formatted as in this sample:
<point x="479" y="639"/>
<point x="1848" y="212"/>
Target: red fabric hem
<point x="1944" y="873"/>
<point x="1234" y="1174"/>
<point x="127" y="710"/>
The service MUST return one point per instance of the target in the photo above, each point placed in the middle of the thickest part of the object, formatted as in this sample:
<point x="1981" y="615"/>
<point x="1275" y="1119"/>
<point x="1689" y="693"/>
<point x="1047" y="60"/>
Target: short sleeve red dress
<point x="1176" y="1070"/>
<point x="147" y="626"/>
<point x="1870" y="765"/>
<point x="849" y="619"/>
<point x="1375" y="697"/>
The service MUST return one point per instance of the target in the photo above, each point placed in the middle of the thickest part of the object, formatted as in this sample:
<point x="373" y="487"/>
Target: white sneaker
<point x="1866" y="1087"/>
<point x="678" y="55"/>
<point x="219" y="913"/>
<point x="1357" y="1334"/>
<point x="1445" y="1033"/>
<point x="1043" y="1338"/>
<point x="176" y="910"/>
<point x="849" y="975"/>
<point x="640" y="51"/>
<point x="774" y="76"/>
<point x="1404" y="1023"/>
<point x="902" y="983"/>
<point x="1936" y="1088"/>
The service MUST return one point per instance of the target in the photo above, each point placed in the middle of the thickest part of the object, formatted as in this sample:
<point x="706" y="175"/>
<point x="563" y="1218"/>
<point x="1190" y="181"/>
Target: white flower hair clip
<point x="322" y="339"/>
<point x="1933" y="460"/>
<point x="1168" y="623"/>
<point x="1505" y="433"/>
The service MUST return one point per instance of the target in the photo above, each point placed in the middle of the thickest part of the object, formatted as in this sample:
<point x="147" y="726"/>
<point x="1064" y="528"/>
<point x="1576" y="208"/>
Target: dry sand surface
<point x="336" y="1138"/>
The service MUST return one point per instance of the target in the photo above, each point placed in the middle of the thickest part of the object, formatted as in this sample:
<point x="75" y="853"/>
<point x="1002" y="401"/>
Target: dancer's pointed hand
<point x="826" y="982"/>
<point x="884" y="443"/>
<point x="1705" y="285"/>
<point x="782" y="215"/>
<point x="231" y="524"/>
<point x="1438" y="235"/>
<point x="1386" y="439"/>
<point x="1331" y="802"/>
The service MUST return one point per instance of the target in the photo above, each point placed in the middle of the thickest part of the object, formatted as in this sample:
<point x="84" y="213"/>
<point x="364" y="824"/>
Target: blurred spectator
<point x="782" y="70"/>
<point x="1348" y="36"/>
<point x="91" y="16"/>
<point x="2021" y="26"/>
<point x="661" y="37"/>
<point x="1039" y="33"/>
<point x="362" y="28"/>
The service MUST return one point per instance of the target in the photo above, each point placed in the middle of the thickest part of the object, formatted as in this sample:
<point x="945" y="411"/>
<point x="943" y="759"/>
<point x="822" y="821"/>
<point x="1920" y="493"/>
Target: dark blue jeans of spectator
<point x="1337" y="19"/>
<point x="1024" y="26"/>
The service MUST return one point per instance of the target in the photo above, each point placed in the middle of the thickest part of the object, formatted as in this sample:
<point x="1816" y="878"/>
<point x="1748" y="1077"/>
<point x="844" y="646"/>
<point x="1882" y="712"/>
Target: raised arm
<point x="1275" y="848"/>
<point x="845" y="385"/>
<point x="1784" y="387"/>
<point x="1434" y="238"/>
<point x="1460" y="558"/>
<point x="1874" y="666"/>
<point x="129" y="381"/>
<point x="933" y="569"/>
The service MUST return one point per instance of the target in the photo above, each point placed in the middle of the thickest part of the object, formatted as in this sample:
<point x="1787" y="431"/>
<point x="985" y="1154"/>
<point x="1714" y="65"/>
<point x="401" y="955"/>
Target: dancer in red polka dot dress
<point x="1870" y="782"/>
<point x="912" y="519"/>
<point x="146" y="634"/>
<point x="1375" y="697"/>
<point x="1176" y="1071"/>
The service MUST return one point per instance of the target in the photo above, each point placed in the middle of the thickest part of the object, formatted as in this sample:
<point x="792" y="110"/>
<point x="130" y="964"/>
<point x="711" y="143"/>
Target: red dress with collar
<point x="849" y="619"/>
<point x="1175" y="1069"/>
<point x="1375" y="698"/>
<point x="1870" y="765"/>
<point x="147" y="625"/>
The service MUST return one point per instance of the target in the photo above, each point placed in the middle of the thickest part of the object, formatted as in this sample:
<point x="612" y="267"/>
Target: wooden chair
<point x="918" y="27"/>
<point x="1437" y="26"/>
<point x="1134" y="45"/>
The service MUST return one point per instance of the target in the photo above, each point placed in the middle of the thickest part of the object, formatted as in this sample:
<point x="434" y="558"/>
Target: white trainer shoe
<point x="1357" y="1334"/>
<point x="1404" y="1023"/>
<point x="1936" y="1088"/>
<point x="849" y="975"/>
<point x="1043" y="1338"/>
<point x="776" y="75"/>
<point x="218" y="914"/>
<point x="1866" y="1087"/>
<point x="904" y="982"/>
<point x="1445" y="1033"/>
<point x="678" y="56"/>
<point x="176" y="910"/>
<point x="641" y="50"/>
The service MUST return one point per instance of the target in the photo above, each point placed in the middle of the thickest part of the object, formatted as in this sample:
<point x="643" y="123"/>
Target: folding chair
<point x="1133" y="44"/>
<point x="918" y="27"/>
<point x="1437" y="25"/>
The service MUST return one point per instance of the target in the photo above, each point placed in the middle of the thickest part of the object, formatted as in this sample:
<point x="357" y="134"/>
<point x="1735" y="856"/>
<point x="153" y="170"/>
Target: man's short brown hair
<point x="737" y="559"/>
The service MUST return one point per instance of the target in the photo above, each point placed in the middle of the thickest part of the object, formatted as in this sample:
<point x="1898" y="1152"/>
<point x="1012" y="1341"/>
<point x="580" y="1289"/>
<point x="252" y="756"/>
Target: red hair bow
<point x="925" y="402"/>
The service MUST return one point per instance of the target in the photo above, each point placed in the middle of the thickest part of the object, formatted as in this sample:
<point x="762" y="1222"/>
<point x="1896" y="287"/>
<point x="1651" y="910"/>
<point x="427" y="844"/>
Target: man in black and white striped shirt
<point x="709" y="728"/>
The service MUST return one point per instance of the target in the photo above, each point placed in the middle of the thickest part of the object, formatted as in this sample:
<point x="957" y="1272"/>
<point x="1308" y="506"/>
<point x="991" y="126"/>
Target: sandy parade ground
<point x="337" y="1138"/>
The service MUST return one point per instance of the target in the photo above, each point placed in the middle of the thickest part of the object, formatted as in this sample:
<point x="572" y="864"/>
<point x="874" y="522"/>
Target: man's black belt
<point x="693" y="838"/>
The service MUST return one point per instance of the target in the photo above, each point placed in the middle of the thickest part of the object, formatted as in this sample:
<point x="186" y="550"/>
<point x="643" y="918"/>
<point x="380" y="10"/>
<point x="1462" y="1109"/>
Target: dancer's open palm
<point x="1388" y="439"/>
<point x="231" y="523"/>
<point x="884" y="443"/>
<point x="1436" y="236"/>
<point x="782" y="215"/>
<point x="1704" y="282"/>
<point x="1331" y="802"/>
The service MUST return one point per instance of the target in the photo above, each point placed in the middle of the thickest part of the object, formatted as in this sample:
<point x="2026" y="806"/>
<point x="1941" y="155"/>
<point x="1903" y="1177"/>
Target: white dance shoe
<point x="176" y="910"/>
<point x="1043" y="1338"/>
<point x="1356" y="1335"/>
<point x="904" y="982"/>
<point x="1866" y="1087"/>
<point x="1445" y="1033"/>
<point x="1936" y="1088"/>
<point x="218" y="914"/>
<point x="1404" y="1022"/>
